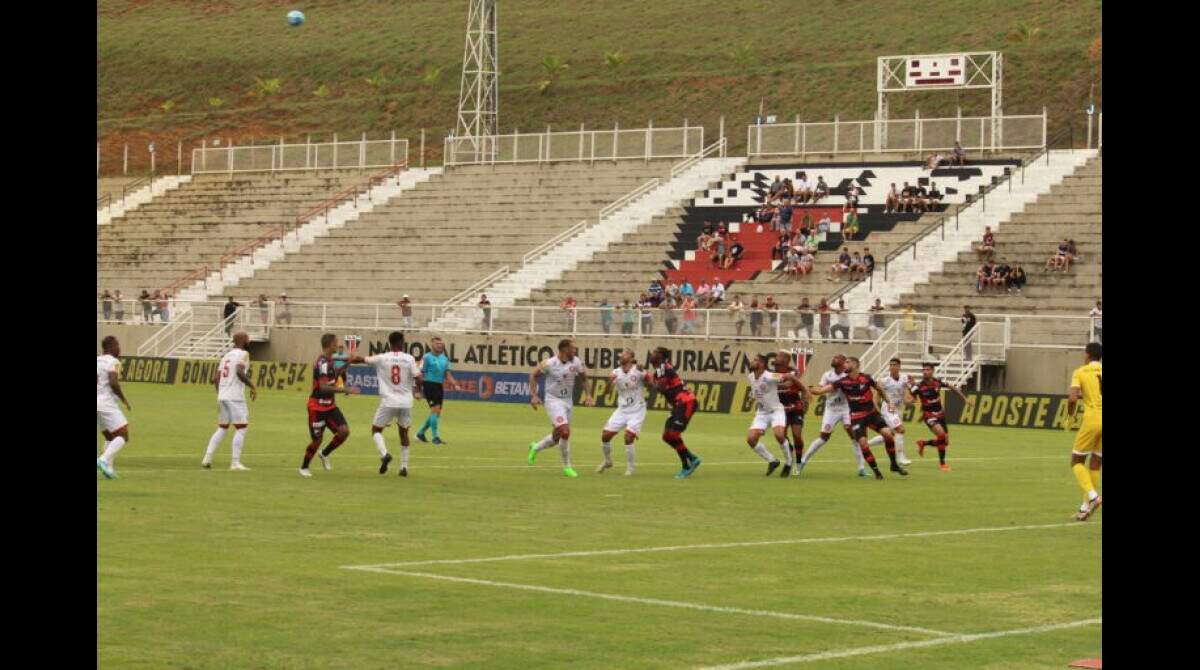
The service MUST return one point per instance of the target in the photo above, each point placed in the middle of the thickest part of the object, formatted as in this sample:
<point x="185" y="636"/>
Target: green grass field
<point x="215" y="569"/>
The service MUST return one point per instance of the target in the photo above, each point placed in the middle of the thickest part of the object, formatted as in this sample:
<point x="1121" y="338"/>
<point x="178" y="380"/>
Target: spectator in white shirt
<point x="1097" y="313"/>
<point x="843" y="321"/>
<point x="718" y="291"/>
<point x="803" y="188"/>
<point x="891" y="203"/>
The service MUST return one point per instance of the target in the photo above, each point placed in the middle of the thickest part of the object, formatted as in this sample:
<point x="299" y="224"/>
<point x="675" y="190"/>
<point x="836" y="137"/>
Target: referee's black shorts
<point x="433" y="393"/>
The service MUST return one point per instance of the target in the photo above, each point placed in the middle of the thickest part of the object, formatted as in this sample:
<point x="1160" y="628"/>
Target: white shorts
<point x="775" y="418"/>
<point x="559" y="411"/>
<point x="232" y="411"/>
<point x="893" y="420"/>
<point x="109" y="418"/>
<point x="831" y="417"/>
<point x="631" y="419"/>
<point x="385" y="415"/>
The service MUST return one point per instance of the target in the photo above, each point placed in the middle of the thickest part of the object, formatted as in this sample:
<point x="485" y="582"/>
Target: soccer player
<point x="629" y="380"/>
<point x="108" y="415"/>
<point x="795" y="398"/>
<point x="231" y="379"/>
<point x="397" y="372"/>
<point x="929" y="391"/>
<point x="560" y="372"/>
<point x="765" y="386"/>
<point x="863" y="413"/>
<point x="683" y="406"/>
<point x="322" y="411"/>
<point x="1087" y="383"/>
<point x="895" y="389"/>
<point x="435" y="369"/>
<point x="836" y="411"/>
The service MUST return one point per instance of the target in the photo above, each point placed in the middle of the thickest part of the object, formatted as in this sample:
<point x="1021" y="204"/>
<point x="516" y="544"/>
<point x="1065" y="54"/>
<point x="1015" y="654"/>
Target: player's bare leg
<point x="941" y="440"/>
<point x="114" y="441"/>
<point x="606" y="437"/>
<point x="630" y="438"/>
<point x="541" y="445"/>
<point x="869" y="457"/>
<point x="564" y="446"/>
<point x="381" y="447"/>
<point x="785" y="446"/>
<point x="239" y="441"/>
<point x="754" y="440"/>
<point x="341" y="434"/>
<point x="404" y="444"/>
<point x="213" y="443"/>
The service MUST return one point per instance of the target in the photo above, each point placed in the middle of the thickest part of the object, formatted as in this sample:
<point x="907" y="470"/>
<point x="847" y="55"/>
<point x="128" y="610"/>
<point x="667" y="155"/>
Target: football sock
<point x="890" y="446"/>
<point x="629" y="456"/>
<point x="425" y="425"/>
<point x="1085" y="480"/>
<point x="875" y="441"/>
<point x="213" y="443"/>
<point x="434" y="420"/>
<point x="333" y="444"/>
<point x="786" y="447"/>
<point x="763" y="453"/>
<point x="380" y="445"/>
<point x="813" y="449"/>
<point x="900" y="446"/>
<point x="941" y="443"/>
<point x="1095" y="475"/>
<point x="545" y="443"/>
<point x="607" y="447"/>
<point x="564" y="445"/>
<point x="239" y="439"/>
<point x="858" y="454"/>
<point x="309" y="452"/>
<point x="404" y="455"/>
<point x="110" y="451"/>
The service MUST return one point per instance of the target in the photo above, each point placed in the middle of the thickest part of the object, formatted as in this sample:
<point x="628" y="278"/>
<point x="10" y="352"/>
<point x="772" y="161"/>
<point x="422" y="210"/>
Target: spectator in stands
<point x="910" y="320"/>
<point x="987" y="247"/>
<point x="1097" y="315"/>
<point x="705" y="240"/>
<point x="144" y="299"/>
<point x="718" y="257"/>
<point x="689" y="317"/>
<point x="1000" y="274"/>
<point x="776" y="188"/>
<point x="983" y="277"/>
<point x="106" y="305"/>
<point x="921" y="197"/>
<point x="791" y="266"/>
<point x="756" y="317"/>
<point x="772" y="309"/>
<point x="810" y="244"/>
<point x="283" y="310"/>
<point x="780" y="250"/>
<point x="735" y="252"/>
<point x="857" y="269"/>
<point x="1061" y="258"/>
<point x="788" y="192"/>
<point x="891" y="201"/>
<point x="230" y="309"/>
<point x="1016" y="280"/>
<point x="667" y="307"/>
<point x="934" y="161"/>
<point x="718" y="292"/>
<point x="704" y="293"/>
<point x="842" y="266"/>
<point x="1072" y="253"/>
<point x="686" y="290"/>
<point x="160" y="304"/>
<point x="656" y="291"/>
<point x="264" y="308"/>
<point x="906" y="198"/>
<point x="806" y="318"/>
<point x="852" y="195"/>
<point x="119" y="305"/>
<point x="673" y="290"/>
<point x="806" y="222"/>
<point x="626" y="317"/>
<point x="606" y="316"/>
<point x="843" y="320"/>
<point x="405" y="306"/>
<point x="968" y="322"/>
<point x="647" y="310"/>
<point x="823" y="319"/>
<point x="868" y="262"/>
<point x="876" y="327"/>
<point x="571" y="308"/>
<point x="785" y="216"/>
<point x="804" y="190"/>
<point x="959" y="156"/>
<point x="824" y="224"/>
<point x="821" y="190"/>
<point x="737" y="312"/>
<point x="935" y="196"/>
<point x="850" y="225"/>
<point x="807" y="262"/>
<point x="485" y="306"/>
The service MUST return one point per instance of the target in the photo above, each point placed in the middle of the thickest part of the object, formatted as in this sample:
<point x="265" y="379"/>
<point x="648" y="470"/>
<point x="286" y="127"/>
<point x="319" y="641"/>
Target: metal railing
<point x="687" y="163"/>
<point x="359" y="154"/>
<point x="629" y="197"/>
<point x="104" y="201"/>
<point x="135" y="185"/>
<point x="166" y="339"/>
<point x="574" y="146"/>
<point x="915" y="135"/>
<point x="467" y="293"/>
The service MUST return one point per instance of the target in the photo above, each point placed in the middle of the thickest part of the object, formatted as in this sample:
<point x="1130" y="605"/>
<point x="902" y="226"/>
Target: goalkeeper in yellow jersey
<point x="1087" y="384"/>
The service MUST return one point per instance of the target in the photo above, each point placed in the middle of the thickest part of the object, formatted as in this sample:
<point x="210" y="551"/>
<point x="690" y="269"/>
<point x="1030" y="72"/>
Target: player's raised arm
<point x="114" y="382"/>
<point x="534" y="400"/>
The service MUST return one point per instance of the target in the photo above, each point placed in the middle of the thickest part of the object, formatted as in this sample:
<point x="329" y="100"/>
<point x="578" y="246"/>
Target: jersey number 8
<point x="395" y="374"/>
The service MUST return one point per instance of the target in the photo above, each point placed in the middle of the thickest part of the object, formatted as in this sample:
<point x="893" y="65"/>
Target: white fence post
<point x="392" y="149"/>
<point x="836" y="121"/>
<point x="685" y="153"/>
<point x="97" y="159"/>
<point x="362" y="151"/>
<point x="649" y="139"/>
<point x="178" y="159"/>
<point x="958" y="126"/>
<point x="721" y="134"/>
<point x="581" y="142"/>
<point x="917" y="130"/>
<point x="125" y="167"/>
<point x="548" y="142"/>
<point x="796" y="142"/>
<point x="1099" y="138"/>
<point x="423" y="149"/>
<point x="335" y="162"/>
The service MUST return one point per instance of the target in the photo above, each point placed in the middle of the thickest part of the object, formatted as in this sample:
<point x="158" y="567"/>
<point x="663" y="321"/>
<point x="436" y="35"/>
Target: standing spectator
<point x="673" y="290"/>
<point x="968" y="321"/>
<point x="264" y="308"/>
<point x="959" y="156"/>
<point x="850" y="225"/>
<point x="1097" y="319"/>
<point x="985" y="248"/>
<point x="823" y="319"/>
<point x="570" y="307"/>
<point x="780" y="250"/>
<point x="891" y="202"/>
<point x="737" y="311"/>
<point x="405" y="306"/>
<point x="283" y="310"/>
<point x="843" y="321"/>
<point x="606" y="315"/>
<point x="852" y="195"/>
<point x="1016" y="280"/>
<point x="667" y="306"/>
<point x="155" y="310"/>
<point x="876" y="327"/>
<point x="689" y="316"/>
<point x="160" y="305"/>
<point x="626" y="318"/>
<point x="756" y="317"/>
<point x="646" y="308"/>
<point x="144" y="298"/>
<point x="910" y="321"/>
<point x="119" y="305"/>
<point x="231" y="308"/>
<point x="785" y="216"/>
<point x="106" y="305"/>
<point x="718" y="257"/>
<point x="806" y="318"/>
<point x="486" y="306"/>
<point x="772" y="309"/>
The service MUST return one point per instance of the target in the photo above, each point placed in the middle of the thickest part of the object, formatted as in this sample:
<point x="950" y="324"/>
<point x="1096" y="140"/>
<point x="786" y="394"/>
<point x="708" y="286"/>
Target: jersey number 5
<point x="395" y="374"/>
<point x="225" y="370"/>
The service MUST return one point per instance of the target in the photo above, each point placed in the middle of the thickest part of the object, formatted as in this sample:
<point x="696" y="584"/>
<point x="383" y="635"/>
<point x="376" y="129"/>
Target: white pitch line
<point x="883" y="648"/>
<point x="722" y="545"/>
<point x="657" y="601"/>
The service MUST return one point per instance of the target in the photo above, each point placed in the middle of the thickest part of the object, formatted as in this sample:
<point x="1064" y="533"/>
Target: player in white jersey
<point x="232" y="378"/>
<point x="560" y="372"/>
<point x="630" y="414"/>
<point x="771" y="412"/>
<point x="108" y="415"/>
<point x="837" y="410"/>
<point x="895" y="386"/>
<point x="398" y="375"/>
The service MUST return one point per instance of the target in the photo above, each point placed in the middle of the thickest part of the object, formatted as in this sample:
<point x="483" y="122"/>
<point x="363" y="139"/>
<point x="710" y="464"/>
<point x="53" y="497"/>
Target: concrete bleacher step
<point x="158" y="187"/>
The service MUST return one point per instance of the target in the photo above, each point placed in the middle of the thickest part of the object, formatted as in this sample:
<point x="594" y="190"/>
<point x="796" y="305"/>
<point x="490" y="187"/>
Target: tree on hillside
<point x="267" y="87"/>
<point x="553" y="66"/>
<point x="431" y="75"/>
<point x="1023" y="33"/>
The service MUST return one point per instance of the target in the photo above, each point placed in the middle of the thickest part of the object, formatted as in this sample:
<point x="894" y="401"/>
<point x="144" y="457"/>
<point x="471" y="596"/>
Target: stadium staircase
<point x="118" y="198"/>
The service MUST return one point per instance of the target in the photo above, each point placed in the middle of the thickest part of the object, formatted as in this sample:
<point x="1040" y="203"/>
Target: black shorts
<point x="681" y="415"/>
<point x="874" y="421"/>
<point x="433" y="393"/>
<point x="932" y="420"/>
<point x="795" y="417"/>
<point x="318" y="420"/>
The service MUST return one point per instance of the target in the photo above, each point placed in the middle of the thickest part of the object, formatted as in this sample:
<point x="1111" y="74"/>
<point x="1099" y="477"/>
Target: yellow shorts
<point x="1088" y="439"/>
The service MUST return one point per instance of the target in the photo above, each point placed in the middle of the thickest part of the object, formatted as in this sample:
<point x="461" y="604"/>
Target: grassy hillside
<point x="183" y="69"/>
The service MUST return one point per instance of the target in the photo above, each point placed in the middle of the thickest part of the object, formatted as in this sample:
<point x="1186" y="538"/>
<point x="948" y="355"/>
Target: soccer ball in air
<point x="295" y="17"/>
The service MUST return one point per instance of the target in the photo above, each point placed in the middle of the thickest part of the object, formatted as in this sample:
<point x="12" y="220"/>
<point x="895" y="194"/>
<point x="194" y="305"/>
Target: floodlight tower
<point x="479" y="90"/>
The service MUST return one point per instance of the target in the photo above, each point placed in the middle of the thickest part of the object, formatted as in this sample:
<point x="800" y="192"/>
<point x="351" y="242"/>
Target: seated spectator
<point x="935" y="159"/>
<point x="934" y="196"/>
<point x="788" y="192"/>
<point x="842" y="266"/>
<point x="776" y="188"/>
<point x="850" y="225"/>
<point x="959" y="156"/>
<point x="1016" y="280"/>
<point x="1061" y="260"/>
<point x="891" y="202"/>
<point x="856" y="266"/>
<point x="821" y="190"/>
<point x="920" y="197"/>
<point x="807" y="262"/>
<point x="703" y="293"/>
<point x="803" y="189"/>
<point x="779" y="251"/>
<point x="983" y="277"/>
<point x="686" y="290"/>
<point x="735" y="253"/>
<point x="718" y="292"/>
<point x="810" y="244"/>
<point x="987" y="247"/>
<point x="1000" y="275"/>
<point x="791" y="266"/>
<point x="852" y="195"/>
<point x="824" y="224"/>
<point x="1072" y="252"/>
<point x="283" y="310"/>
<point x="906" y="198"/>
<point x="806" y="222"/>
<point x="704" y="241"/>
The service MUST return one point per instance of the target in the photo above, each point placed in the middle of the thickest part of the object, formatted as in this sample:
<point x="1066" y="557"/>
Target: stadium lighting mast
<point x="479" y="90"/>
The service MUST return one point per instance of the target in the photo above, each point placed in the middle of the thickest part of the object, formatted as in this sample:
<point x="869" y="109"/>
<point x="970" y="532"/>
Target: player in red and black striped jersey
<point x="929" y="390"/>
<point x="322" y="411"/>
<point x="683" y="406"/>
<point x="795" y="398"/>
<point x="857" y="388"/>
